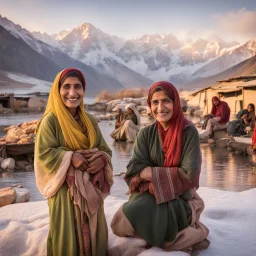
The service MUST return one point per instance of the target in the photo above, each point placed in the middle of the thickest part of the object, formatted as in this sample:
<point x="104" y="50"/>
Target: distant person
<point x="120" y="117"/>
<point x="244" y="118"/>
<point x="218" y="117"/>
<point x="73" y="170"/>
<point x="130" y="126"/>
<point x="163" y="176"/>
<point x="253" y="145"/>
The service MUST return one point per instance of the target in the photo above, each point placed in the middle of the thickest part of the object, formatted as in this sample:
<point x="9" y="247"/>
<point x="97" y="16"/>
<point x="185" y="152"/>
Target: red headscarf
<point x="254" y="136"/>
<point x="65" y="71"/>
<point x="172" y="137"/>
<point x="222" y="110"/>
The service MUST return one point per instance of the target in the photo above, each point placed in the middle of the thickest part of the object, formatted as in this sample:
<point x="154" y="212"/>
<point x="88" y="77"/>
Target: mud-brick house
<point x="7" y="100"/>
<point x="238" y="92"/>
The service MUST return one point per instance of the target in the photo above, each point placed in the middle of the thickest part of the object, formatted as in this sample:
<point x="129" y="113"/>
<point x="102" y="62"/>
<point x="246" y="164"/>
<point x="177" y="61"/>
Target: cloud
<point x="240" y="23"/>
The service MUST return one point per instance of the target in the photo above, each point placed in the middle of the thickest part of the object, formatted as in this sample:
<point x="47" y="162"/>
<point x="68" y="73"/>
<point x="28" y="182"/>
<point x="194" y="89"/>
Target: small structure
<point x="238" y="92"/>
<point x="7" y="100"/>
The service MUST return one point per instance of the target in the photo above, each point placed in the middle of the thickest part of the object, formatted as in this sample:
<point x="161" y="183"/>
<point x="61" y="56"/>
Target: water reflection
<point x="220" y="168"/>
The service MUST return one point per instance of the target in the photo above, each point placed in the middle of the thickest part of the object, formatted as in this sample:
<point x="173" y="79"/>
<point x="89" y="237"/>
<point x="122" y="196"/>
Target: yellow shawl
<point x="72" y="132"/>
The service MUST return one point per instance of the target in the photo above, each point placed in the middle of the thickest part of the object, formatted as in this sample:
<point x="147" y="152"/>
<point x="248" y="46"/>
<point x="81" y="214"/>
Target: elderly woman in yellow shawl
<point x="73" y="170"/>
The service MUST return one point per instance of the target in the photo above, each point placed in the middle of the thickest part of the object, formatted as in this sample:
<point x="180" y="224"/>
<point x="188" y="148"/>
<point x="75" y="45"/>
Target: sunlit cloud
<point x="240" y="23"/>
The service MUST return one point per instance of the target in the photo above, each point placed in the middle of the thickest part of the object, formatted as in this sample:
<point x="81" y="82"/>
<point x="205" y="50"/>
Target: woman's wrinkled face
<point x="72" y="93"/>
<point x="216" y="102"/>
<point x="129" y="111"/>
<point x="249" y="108"/>
<point x="162" y="108"/>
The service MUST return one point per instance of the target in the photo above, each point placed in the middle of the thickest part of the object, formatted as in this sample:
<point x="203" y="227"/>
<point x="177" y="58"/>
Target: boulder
<point x="21" y="164"/>
<point x="8" y="163"/>
<point x="7" y="196"/>
<point x="211" y="141"/>
<point x="29" y="168"/>
<point x="36" y="102"/>
<point x="22" y="195"/>
<point x="112" y="104"/>
<point x="21" y="103"/>
<point x="98" y="106"/>
<point x="141" y="109"/>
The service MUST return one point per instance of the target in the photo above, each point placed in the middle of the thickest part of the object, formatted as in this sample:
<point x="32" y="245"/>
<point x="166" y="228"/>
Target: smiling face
<point x="162" y="108"/>
<point x="72" y="93"/>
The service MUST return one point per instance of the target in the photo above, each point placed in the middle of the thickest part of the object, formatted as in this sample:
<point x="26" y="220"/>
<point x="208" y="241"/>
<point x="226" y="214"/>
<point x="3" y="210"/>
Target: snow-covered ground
<point x="230" y="216"/>
<point x="31" y="84"/>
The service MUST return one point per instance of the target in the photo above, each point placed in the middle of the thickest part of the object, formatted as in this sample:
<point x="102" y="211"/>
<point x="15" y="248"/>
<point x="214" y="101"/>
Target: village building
<point x="238" y="92"/>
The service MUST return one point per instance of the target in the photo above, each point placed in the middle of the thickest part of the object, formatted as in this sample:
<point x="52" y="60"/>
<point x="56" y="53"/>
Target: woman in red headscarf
<point x="253" y="146"/>
<point x="218" y="117"/>
<point x="163" y="176"/>
<point x="73" y="170"/>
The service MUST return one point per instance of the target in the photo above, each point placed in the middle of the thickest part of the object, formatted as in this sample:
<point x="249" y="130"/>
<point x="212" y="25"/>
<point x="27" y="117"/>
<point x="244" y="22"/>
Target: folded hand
<point x="79" y="161"/>
<point x="96" y="165"/>
<point x="146" y="174"/>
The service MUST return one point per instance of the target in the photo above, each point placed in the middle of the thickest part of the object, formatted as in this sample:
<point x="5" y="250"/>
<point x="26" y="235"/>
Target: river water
<point x="220" y="169"/>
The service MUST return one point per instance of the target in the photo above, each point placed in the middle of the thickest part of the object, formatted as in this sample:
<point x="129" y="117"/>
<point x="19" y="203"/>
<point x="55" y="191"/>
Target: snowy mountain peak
<point x="59" y="36"/>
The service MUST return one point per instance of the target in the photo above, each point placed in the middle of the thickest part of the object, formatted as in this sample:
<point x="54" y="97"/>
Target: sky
<point x="231" y="20"/>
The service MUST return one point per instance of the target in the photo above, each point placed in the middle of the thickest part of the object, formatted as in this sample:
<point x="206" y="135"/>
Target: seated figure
<point x="163" y="176"/>
<point x="244" y="118"/>
<point x="218" y="117"/>
<point x="129" y="127"/>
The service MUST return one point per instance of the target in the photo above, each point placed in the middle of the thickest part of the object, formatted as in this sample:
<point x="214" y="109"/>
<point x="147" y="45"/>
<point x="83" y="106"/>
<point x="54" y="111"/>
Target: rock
<point x="21" y="103"/>
<point x="28" y="130"/>
<point x="15" y="132"/>
<point x="211" y="141"/>
<point x="22" y="164"/>
<point x="29" y="168"/>
<point x="36" y="102"/>
<point x="7" y="196"/>
<point x="98" y="106"/>
<point x="22" y="195"/>
<point x="8" y="163"/>
<point x="11" y="140"/>
<point x="222" y="143"/>
<point x="112" y="104"/>
<point x="141" y="109"/>
<point x="110" y="116"/>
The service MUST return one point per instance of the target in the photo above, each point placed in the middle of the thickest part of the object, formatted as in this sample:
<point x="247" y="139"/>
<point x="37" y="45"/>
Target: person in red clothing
<point x="254" y="140"/>
<point x="218" y="117"/>
<point x="253" y="146"/>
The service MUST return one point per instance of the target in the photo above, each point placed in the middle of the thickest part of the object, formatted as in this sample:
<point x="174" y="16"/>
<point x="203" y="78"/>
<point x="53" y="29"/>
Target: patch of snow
<point x="37" y="84"/>
<point x="230" y="217"/>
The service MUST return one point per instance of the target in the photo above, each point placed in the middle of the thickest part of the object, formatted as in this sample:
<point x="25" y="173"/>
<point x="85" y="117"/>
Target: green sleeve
<point x="140" y="157"/>
<point x="49" y="146"/>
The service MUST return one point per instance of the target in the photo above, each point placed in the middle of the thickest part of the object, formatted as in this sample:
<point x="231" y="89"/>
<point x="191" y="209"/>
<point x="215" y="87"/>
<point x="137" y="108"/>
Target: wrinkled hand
<point x="95" y="165"/>
<point x="146" y="174"/>
<point x="135" y="183"/>
<point x="79" y="161"/>
<point x="87" y="153"/>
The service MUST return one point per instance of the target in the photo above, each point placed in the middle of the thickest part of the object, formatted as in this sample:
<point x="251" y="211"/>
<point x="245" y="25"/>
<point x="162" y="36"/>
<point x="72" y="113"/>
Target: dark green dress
<point x="159" y="220"/>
